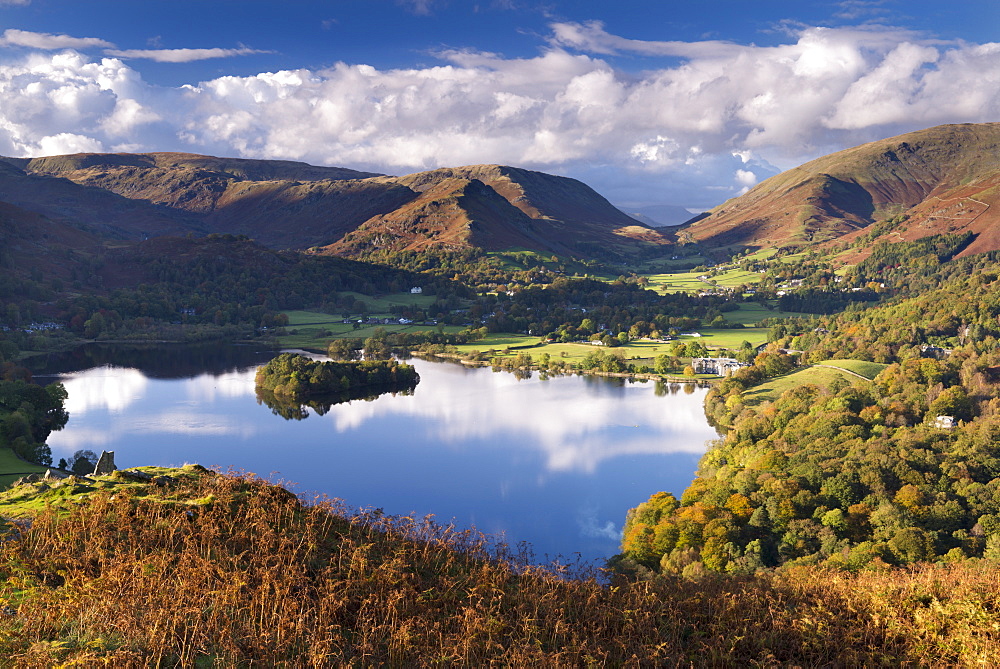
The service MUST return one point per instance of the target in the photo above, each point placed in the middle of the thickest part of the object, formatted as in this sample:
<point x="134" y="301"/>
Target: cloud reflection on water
<point x="556" y="462"/>
<point x="113" y="389"/>
<point x="576" y="424"/>
<point x="575" y="430"/>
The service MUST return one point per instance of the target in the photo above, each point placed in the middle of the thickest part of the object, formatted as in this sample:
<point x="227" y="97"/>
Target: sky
<point x="650" y="102"/>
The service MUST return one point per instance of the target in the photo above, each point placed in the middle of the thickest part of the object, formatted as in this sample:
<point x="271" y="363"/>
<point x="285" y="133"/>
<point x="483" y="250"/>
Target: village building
<point x="928" y="351"/>
<point x="945" y="422"/>
<point x="718" y="366"/>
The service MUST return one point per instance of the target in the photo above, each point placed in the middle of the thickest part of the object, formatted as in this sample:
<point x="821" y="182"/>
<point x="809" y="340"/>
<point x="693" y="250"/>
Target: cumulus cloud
<point x="691" y="133"/>
<point x="180" y="55"/>
<point x="47" y="41"/>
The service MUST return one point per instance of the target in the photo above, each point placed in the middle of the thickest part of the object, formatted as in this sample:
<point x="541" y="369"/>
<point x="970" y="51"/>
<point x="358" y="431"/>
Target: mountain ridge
<point x="285" y="204"/>
<point x="836" y="196"/>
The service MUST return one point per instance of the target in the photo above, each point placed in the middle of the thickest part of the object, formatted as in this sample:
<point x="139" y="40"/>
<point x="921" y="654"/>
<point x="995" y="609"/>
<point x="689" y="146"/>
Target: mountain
<point x="33" y="245"/>
<point x="285" y="204"/>
<point x="659" y="215"/>
<point x="496" y="207"/>
<point x="95" y="210"/>
<point x="942" y="179"/>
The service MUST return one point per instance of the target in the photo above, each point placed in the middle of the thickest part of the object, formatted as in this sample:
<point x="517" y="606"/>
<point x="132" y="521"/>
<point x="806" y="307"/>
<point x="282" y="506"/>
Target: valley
<point x="857" y="296"/>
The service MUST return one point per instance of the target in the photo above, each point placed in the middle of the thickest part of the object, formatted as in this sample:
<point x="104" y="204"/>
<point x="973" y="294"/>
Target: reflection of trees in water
<point x="292" y="409"/>
<point x="160" y="361"/>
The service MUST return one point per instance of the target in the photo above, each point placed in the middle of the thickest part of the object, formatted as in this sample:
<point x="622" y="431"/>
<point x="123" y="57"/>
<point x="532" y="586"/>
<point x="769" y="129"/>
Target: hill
<point x="101" y="213"/>
<point x="185" y="567"/>
<point x="942" y="179"/>
<point x="495" y="207"/>
<point x="136" y="196"/>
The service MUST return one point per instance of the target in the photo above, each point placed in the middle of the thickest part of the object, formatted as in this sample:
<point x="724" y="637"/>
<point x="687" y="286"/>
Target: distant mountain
<point x="659" y="215"/>
<point x="942" y="179"/>
<point x="286" y="204"/>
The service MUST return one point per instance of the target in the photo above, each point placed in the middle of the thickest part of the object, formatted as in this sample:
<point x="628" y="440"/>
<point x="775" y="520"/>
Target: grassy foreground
<point x="213" y="570"/>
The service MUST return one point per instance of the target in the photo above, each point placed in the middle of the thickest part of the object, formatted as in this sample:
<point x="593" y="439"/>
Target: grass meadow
<point x="822" y="374"/>
<point x="13" y="468"/>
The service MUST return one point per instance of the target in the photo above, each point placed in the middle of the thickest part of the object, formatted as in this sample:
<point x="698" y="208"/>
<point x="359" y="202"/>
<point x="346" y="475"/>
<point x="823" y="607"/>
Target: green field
<point x="69" y="492"/>
<point x="688" y="281"/>
<point x="762" y="254"/>
<point x="726" y="338"/>
<point x="772" y="389"/>
<point x="751" y="313"/>
<point x="13" y="468"/>
<point x="736" y="277"/>
<point x="640" y="352"/>
<point x="822" y="374"/>
<point x="685" y="282"/>
<point x="661" y="265"/>
<point x="869" y="370"/>
<point x="314" y="330"/>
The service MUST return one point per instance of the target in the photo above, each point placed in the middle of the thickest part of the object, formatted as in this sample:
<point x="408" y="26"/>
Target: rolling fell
<point x="938" y="180"/>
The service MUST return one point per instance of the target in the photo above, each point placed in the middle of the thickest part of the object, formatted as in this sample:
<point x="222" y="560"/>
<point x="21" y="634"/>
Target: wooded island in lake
<point x="298" y="377"/>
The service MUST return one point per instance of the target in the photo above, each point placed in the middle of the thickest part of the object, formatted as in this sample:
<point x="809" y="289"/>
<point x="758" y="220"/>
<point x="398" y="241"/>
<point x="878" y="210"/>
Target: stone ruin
<point x="105" y="464"/>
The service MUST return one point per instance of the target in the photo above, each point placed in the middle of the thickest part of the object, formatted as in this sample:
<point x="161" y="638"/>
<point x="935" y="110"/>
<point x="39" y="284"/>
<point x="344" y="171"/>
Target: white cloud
<point x="66" y="143"/>
<point x="420" y="7"/>
<point x="47" y="41"/>
<point x="180" y="55"/>
<point x="746" y="177"/>
<point x="592" y="38"/>
<point x="691" y="133"/>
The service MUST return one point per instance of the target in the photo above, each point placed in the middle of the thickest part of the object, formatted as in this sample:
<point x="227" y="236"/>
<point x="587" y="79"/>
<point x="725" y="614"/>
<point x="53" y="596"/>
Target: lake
<point x="553" y="462"/>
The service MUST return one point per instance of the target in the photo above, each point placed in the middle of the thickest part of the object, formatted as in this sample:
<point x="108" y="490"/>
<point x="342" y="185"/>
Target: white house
<point x="945" y="422"/>
<point x="720" y="366"/>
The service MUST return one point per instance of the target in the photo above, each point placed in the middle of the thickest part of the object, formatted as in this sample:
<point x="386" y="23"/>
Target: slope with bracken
<point x="496" y="207"/>
<point x="285" y="204"/>
<point x="944" y="179"/>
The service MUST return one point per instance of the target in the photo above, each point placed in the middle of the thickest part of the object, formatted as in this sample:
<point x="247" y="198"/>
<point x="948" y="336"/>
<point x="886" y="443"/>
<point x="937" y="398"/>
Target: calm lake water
<point x="555" y="462"/>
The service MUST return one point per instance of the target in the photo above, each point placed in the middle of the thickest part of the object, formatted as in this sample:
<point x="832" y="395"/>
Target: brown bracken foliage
<point x="250" y="576"/>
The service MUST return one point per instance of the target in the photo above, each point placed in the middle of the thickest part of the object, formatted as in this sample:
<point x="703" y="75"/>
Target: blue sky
<point x="684" y="103"/>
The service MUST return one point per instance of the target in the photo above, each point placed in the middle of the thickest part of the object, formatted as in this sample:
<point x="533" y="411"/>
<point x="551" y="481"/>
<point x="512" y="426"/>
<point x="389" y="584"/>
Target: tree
<point x="696" y="349"/>
<point x="663" y="364"/>
<point x="343" y="349"/>
<point x="377" y="349"/>
<point x="83" y="462"/>
<point x="952" y="402"/>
